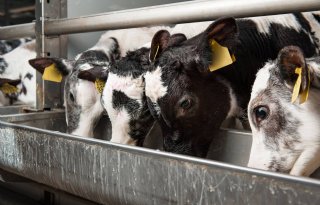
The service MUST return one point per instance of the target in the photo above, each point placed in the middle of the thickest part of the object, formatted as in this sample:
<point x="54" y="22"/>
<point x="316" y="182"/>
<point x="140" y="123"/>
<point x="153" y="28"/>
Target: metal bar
<point x="17" y="31"/>
<point x="177" y="13"/>
<point x="98" y="171"/>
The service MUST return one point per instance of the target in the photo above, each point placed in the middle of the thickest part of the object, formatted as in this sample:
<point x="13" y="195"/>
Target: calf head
<point x="188" y="100"/>
<point x="286" y="135"/>
<point x="82" y="99"/>
<point x="124" y="100"/>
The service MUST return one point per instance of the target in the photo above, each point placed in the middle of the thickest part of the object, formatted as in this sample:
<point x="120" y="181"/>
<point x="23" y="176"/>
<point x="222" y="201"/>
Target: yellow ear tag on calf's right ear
<point x="8" y="89"/>
<point x="99" y="85"/>
<point x="221" y="56"/>
<point x="51" y="73"/>
<point x="305" y="93"/>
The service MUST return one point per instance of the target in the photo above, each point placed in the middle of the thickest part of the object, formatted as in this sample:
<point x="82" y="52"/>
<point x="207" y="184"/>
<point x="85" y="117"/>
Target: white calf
<point x="286" y="135"/>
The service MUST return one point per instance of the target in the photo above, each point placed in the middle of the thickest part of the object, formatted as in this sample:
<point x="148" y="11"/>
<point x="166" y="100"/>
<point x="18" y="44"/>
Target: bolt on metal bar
<point x="177" y="13"/>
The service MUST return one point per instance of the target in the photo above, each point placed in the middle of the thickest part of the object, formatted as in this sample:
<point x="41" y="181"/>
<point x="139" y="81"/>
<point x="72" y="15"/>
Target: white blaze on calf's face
<point x="155" y="88"/>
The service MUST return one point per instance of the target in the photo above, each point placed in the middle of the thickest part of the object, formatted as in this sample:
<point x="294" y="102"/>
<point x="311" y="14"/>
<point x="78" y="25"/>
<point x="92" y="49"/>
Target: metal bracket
<point x="49" y="94"/>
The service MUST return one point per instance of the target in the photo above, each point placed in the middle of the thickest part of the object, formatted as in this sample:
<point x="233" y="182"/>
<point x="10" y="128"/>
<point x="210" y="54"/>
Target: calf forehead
<point x="155" y="86"/>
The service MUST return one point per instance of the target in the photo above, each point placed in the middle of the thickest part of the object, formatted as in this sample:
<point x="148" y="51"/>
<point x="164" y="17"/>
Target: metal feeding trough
<point x="34" y="146"/>
<point x="47" y="163"/>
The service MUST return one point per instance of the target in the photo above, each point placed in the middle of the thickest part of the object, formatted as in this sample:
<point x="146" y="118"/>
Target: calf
<point x="189" y="101"/>
<point x="286" y="135"/>
<point x="8" y="45"/>
<point x="124" y="98"/>
<point x="82" y="99"/>
<point x="14" y="65"/>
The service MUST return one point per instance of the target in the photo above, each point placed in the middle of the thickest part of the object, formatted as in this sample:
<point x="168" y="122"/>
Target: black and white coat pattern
<point x="14" y="65"/>
<point x="190" y="102"/>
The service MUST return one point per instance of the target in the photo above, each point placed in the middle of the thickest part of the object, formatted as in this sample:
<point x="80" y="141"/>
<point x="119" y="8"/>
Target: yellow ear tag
<point x="221" y="56"/>
<point x="8" y="89"/>
<point x="155" y="55"/>
<point x="99" y="84"/>
<point x="51" y="73"/>
<point x="304" y="95"/>
<point x="297" y="85"/>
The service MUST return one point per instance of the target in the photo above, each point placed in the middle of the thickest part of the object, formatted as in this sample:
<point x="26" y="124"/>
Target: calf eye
<point x="261" y="113"/>
<point x="186" y="104"/>
<point x="71" y="97"/>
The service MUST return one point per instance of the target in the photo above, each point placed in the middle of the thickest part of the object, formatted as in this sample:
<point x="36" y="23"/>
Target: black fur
<point x="121" y="100"/>
<point x="29" y="76"/>
<point x="186" y="75"/>
<point x="3" y="65"/>
<point x="133" y="64"/>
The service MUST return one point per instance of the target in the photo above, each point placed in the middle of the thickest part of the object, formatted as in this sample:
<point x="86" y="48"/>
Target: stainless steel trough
<point x="110" y="173"/>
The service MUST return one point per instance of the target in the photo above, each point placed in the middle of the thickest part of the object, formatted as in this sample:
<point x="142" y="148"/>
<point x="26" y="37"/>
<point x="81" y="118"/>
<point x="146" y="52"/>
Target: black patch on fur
<point x="133" y="64"/>
<point x="3" y="65"/>
<point x="92" y="56"/>
<point x="121" y="100"/>
<point x="28" y="76"/>
<point x="317" y="17"/>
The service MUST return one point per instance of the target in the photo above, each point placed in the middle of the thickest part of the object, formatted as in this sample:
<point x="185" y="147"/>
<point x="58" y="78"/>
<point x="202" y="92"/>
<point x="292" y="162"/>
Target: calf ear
<point x="223" y="30"/>
<point x="290" y="58"/>
<point x="115" y="50"/>
<point x="176" y="39"/>
<point x="63" y="65"/>
<point x="9" y="81"/>
<point x="160" y="41"/>
<point x="93" y="74"/>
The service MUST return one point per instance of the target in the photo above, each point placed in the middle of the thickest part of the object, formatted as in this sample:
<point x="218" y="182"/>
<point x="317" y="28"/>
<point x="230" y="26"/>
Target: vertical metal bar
<point x="40" y="52"/>
<point x="49" y="94"/>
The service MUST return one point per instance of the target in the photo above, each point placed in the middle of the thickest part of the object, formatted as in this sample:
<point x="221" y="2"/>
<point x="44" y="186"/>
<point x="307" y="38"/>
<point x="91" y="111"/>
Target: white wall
<point x="80" y="42"/>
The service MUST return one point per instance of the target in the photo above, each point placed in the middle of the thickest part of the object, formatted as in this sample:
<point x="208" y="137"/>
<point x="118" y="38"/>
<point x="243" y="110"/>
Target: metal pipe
<point x="177" y="13"/>
<point x="17" y="31"/>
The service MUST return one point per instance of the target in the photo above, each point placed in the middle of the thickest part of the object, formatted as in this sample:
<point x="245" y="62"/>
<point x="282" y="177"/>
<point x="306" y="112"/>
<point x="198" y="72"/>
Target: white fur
<point x="18" y="65"/>
<point x="305" y="156"/>
<point x="154" y="85"/>
<point x="134" y="89"/>
<point x="261" y="82"/>
<point x="287" y="20"/>
<point x="91" y="108"/>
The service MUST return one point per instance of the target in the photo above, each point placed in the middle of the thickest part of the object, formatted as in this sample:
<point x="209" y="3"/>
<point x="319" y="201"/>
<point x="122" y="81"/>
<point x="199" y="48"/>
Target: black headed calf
<point x="189" y="101"/>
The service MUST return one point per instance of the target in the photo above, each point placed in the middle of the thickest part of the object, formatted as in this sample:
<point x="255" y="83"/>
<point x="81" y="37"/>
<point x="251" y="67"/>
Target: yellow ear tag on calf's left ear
<point x="305" y="93"/>
<point x="51" y="73"/>
<point x="99" y="85"/>
<point x="221" y="56"/>
<point x="8" y="89"/>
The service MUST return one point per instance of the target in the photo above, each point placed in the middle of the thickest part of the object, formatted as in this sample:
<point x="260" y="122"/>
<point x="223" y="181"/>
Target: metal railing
<point x="165" y="14"/>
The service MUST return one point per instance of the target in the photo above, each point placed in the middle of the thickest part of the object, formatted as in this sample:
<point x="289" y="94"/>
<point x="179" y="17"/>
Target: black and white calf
<point x="286" y="135"/>
<point x="124" y="97"/>
<point x="14" y="65"/>
<point x="82" y="99"/>
<point x="189" y="101"/>
<point x="8" y="45"/>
